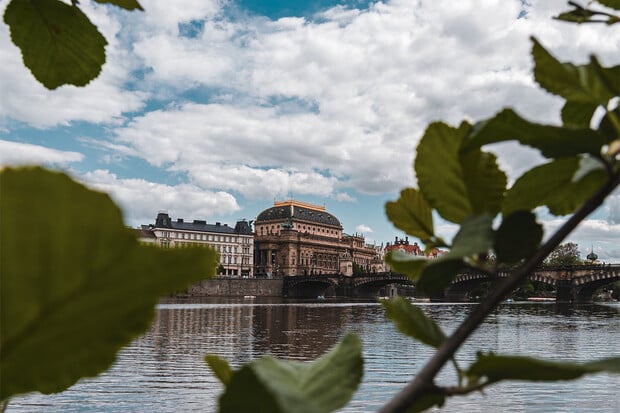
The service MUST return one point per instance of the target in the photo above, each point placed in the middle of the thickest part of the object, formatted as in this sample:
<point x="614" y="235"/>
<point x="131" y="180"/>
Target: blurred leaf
<point x="485" y="182"/>
<point x="76" y="284"/>
<point x="219" y="367"/>
<point x="574" y="83"/>
<point x="438" y="274"/>
<point x="613" y="4"/>
<point x="607" y="128"/>
<point x="412" y="321"/>
<point x="577" y="15"/>
<point x="578" y="114"/>
<point x="125" y="4"/>
<point x="439" y="171"/>
<point x="427" y="400"/>
<point x="59" y="44"/>
<point x="271" y="385"/>
<point x="608" y="76"/>
<point x="557" y="184"/>
<point x="412" y="214"/>
<point x="474" y="237"/>
<point x="405" y="263"/>
<point x="517" y="237"/>
<point x="552" y="141"/>
<point x="497" y="368"/>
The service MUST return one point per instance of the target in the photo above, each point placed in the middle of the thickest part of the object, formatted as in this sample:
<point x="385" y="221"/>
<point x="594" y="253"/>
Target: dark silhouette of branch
<point x="425" y="378"/>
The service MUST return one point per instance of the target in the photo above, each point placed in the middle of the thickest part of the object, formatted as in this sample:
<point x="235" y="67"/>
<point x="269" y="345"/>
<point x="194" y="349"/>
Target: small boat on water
<point x="541" y="299"/>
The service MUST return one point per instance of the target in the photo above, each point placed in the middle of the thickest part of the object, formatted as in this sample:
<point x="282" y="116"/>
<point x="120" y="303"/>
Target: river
<point x="163" y="371"/>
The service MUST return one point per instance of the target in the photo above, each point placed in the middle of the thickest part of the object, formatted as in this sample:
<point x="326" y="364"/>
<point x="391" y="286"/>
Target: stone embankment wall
<point x="237" y="287"/>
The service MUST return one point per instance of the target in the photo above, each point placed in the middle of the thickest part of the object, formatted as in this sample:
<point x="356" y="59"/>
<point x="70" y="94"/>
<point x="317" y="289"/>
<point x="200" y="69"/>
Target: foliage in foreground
<point x="76" y="285"/>
<point x="68" y="306"/>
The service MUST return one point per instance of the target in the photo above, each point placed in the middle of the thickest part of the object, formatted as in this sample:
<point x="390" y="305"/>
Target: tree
<point x="564" y="254"/>
<point x="470" y="190"/>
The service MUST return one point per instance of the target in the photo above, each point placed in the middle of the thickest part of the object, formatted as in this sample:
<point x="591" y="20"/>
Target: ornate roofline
<point x="292" y="202"/>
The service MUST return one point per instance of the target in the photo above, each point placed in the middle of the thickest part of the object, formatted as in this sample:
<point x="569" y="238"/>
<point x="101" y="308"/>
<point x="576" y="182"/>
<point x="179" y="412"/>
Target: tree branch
<point x="446" y="351"/>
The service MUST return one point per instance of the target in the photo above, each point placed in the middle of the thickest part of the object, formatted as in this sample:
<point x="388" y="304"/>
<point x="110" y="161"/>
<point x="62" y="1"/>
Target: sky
<point x="211" y="109"/>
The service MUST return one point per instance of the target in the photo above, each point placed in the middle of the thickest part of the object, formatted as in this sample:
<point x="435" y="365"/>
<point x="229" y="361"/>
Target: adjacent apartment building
<point x="234" y="245"/>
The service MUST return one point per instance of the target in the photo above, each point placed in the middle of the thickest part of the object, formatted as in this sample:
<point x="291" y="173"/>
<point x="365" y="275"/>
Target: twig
<point x="446" y="351"/>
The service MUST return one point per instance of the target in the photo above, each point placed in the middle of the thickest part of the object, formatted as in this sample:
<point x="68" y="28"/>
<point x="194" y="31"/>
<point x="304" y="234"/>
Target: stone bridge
<point x="313" y="286"/>
<point x="571" y="283"/>
<point x="574" y="283"/>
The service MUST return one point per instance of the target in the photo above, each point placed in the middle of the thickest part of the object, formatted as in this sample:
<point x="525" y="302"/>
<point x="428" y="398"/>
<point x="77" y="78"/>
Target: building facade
<point x="297" y="238"/>
<point x="234" y="245"/>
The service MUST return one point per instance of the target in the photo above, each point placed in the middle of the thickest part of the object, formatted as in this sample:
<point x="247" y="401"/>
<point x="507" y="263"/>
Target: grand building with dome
<point x="297" y="238"/>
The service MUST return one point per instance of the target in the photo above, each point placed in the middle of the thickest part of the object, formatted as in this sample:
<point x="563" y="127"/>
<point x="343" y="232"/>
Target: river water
<point x="163" y="371"/>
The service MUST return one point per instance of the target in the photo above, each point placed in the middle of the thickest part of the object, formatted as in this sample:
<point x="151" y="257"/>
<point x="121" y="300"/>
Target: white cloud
<point x="348" y="96"/>
<point x="103" y="100"/>
<point x="141" y="200"/>
<point x="17" y="153"/>
<point x="361" y="228"/>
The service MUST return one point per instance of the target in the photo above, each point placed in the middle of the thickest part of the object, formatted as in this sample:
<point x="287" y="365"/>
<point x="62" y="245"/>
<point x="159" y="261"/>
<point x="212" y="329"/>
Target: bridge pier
<point x="564" y="292"/>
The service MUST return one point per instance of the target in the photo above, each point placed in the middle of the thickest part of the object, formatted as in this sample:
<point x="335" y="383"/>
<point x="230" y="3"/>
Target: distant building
<point x="234" y="245"/>
<point x="412" y="249"/>
<point x="297" y="238"/>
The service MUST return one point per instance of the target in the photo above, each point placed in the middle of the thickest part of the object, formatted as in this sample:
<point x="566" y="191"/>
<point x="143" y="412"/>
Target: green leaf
<point x="219" y="367"/>
<point x="427" y="400"/>
<point x="59" y="44"/>
<point x="577" y="15"/>
<point x="412" y="214"/>
<point x="574" y="83"/>
<point x="404" y="263"/>
<point x="438" y="274"/>
<point x="474" y="237"/>
<point x="412" y="321"/>
<point x="125" y="4"/>
<point x="76" y="284"/>
<point x="561" y="185"/>
<point x="497" y="368"/>
<point x="485" y="182"/>
<point x="439" y="171"/>
<point x="552" y="141"/>
<point x="272" y="385"/>
<point x="578" y="114"/>
<point x="517" y="237"/>
<point x="606" y="126"/>
<point x="613" y="4"/>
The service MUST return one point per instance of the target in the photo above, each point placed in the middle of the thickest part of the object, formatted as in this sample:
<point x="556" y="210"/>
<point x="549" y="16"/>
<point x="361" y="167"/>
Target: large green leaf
<point x="438" y="274"/>
<point x="496" y="368"/>
<point x="578" y="114"/>
<point x="552" y="141"/>
<point x="405" y="263"/>
<point x="412" y="321"/>
<point x="59" y="44"/>
<point x="475" y="237"/>
<point x="75" y="285"/>
<point x="574" y="83"/>
<point x="485" y="182"/>
<point x="412" y="214"/>
<point x="125" y="4"/>
<point x="558" y="184"/>
<point x="517" y="237"/>
<point x="272" y="386"/>
<point x="440" y="173"/>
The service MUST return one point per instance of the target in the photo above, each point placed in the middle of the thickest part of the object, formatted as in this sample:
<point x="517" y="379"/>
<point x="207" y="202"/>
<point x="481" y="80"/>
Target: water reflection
<point x="164" y="371"/>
